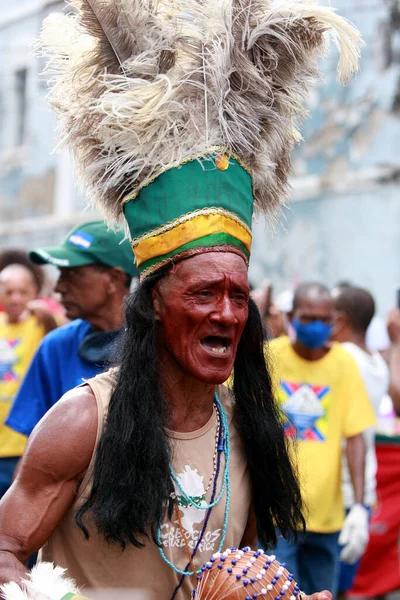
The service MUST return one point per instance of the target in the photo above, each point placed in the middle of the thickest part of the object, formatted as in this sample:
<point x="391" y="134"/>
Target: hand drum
<point x="245" y="575"/>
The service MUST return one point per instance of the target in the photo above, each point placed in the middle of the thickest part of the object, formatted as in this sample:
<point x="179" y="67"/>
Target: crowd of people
<point x="333" y="376"/>
<point x="206" y="438"/>
<point x="327" y="381"/>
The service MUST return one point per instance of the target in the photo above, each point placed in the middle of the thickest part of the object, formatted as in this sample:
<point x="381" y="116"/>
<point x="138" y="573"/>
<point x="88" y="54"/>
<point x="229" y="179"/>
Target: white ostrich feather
<point x="44" y="582"/>
<point x="141" y="85"/>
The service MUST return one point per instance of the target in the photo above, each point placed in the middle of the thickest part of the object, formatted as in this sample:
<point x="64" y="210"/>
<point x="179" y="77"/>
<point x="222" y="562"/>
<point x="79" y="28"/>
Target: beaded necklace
<point x="224" y="446"/>
<point x="203" y="530"/>
<point x="215" y="458"/>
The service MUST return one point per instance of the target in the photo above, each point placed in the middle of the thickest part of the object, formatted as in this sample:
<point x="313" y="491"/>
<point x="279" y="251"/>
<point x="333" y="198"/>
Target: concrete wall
<point x="353" y="237"/>
<point x="34" y="181"/>
<point x="343" y="221"/>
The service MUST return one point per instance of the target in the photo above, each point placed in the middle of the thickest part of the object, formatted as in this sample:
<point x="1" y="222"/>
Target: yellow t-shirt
<point x="18" y="343"/>
<point x="323" y="401"/>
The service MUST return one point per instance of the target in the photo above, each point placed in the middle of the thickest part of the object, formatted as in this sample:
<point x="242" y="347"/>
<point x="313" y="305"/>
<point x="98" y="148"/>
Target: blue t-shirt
<point x="55" y="369"/>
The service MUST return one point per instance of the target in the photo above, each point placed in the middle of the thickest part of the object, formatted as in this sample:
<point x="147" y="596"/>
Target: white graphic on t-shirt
<point x="193" y="484"/>
<point x="303" y="407"/>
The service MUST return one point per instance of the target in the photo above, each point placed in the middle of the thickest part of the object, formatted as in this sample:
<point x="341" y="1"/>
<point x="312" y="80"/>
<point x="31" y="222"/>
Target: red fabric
<point x="379" y="572"/>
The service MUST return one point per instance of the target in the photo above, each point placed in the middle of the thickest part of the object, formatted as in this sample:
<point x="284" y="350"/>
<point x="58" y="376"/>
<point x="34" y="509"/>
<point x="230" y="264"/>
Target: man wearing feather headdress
<point x="181" y="116"/>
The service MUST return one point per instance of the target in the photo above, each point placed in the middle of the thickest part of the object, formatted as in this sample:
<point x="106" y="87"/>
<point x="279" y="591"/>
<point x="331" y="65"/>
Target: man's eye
<point x="240" y="297"/>
<point x="204" y="294"/>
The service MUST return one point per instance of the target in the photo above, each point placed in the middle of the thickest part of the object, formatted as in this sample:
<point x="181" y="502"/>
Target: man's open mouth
<point x="216" y="344"/>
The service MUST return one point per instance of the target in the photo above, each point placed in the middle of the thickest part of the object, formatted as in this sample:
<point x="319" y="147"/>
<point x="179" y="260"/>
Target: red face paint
<point x="203" y="308"/>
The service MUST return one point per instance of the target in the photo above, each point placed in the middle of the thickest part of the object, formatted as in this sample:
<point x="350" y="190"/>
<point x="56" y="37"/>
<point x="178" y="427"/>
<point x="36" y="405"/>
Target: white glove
<point x="354" y="535"/>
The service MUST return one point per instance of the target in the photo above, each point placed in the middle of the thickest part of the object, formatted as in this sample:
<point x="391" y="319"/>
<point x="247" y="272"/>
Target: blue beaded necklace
<point x="224" y="446"/>
<point x="204" y="528"/>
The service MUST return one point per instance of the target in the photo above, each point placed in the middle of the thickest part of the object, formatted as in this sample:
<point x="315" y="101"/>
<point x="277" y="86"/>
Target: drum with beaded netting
<point x="245" y="575"/>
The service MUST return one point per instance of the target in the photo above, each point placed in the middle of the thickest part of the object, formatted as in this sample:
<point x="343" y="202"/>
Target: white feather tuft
<point x="44" y="582"/>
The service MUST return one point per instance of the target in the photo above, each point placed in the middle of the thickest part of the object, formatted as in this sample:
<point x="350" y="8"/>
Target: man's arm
<point x="355" y="454"/>
<point x="358" y="416"/>
<point x="44" y="317"/>
<point x="393" y="325"/>
<point x="58" y="453"/>
<point x="354" y="534"/>
<point x="394" y="385"/>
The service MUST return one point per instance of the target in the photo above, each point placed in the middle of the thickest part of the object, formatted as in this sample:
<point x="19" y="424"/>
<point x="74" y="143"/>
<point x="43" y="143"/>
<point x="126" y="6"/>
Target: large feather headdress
<point x="143" y="86"/>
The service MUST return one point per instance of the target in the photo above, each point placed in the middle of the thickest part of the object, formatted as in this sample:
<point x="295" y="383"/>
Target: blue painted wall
<point x="343" y="221"/>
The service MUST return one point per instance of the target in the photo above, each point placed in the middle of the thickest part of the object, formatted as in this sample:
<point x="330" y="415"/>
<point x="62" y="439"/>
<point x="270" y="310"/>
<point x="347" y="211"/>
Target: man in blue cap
<point x="96" y="268"/>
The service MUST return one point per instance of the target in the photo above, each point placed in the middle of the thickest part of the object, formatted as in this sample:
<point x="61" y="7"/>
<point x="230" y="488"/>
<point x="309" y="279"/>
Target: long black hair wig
<point x="131" y="481"/>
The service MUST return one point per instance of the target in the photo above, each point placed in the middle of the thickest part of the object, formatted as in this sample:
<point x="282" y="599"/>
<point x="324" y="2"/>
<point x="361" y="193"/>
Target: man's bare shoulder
<point x="57" y="455"/>
<point x="64" y="440"/>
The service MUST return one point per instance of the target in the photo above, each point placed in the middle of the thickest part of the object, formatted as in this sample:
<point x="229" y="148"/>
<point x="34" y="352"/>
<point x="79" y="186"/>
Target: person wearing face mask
<point x="323" y="400"/>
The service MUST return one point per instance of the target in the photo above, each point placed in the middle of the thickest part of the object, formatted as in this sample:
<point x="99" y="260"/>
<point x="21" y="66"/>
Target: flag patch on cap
<point x="81" y="239"/>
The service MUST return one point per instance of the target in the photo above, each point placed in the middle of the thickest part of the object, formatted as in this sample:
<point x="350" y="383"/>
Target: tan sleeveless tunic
<point x="94" y="563"/>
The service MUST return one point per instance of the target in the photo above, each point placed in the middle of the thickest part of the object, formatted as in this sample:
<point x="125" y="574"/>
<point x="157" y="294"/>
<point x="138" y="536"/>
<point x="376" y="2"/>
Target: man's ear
<point x="340" y="322"/>
<point x="117" y="278"/>
<point x="340" y="318"/>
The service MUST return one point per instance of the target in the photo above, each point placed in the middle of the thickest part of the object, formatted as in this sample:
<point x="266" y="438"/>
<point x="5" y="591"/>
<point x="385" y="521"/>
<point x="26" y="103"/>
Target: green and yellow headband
<point x="205" y="203"/>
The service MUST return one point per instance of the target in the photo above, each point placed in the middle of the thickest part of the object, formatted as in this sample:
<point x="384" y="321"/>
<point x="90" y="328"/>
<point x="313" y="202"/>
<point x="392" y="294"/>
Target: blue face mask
<point x="313" y="335"/>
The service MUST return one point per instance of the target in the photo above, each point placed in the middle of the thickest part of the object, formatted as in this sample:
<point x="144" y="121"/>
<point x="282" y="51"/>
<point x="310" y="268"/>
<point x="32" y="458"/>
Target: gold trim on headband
<point x="188" y="253"/>
<point x="212" y="210"/>
<point x="176" y="164"/>
<point x="196" y="227"/>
